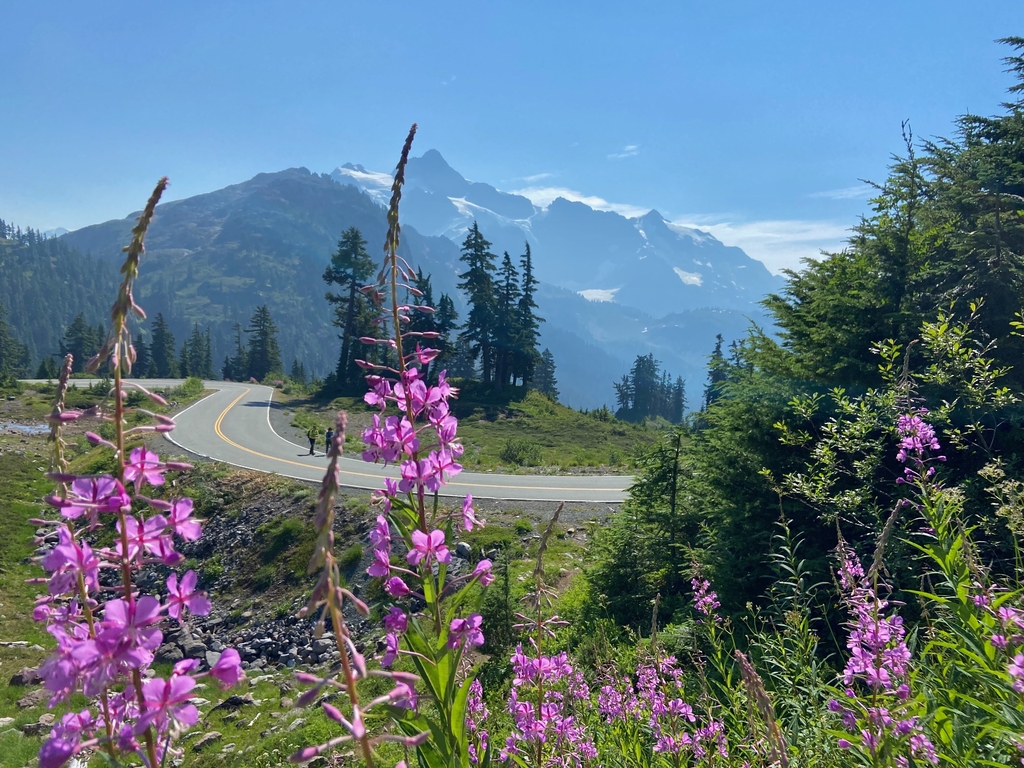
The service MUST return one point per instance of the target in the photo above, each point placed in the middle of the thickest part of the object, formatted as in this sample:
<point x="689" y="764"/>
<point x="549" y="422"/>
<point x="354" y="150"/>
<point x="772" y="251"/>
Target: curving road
<point x="233" y="425"/>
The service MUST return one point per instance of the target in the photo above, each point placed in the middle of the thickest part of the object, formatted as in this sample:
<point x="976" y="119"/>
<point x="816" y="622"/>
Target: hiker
<point x="330" y="437"/>
<point x="313" y="434"/>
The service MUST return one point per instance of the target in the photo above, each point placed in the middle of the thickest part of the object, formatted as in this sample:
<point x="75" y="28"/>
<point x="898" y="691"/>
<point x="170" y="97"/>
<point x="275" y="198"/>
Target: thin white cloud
<point x="544" y="196"/>
<point x="630" y="150"/>
<point x="778" y="243"/>
<point x="846" y="193"/>
<point x="449" y="81"/>
<point x="536" y="177"/>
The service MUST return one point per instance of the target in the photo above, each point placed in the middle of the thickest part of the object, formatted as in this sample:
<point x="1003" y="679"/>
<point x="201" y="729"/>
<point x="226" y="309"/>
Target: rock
<point x="5" y="721"/>
<point x="211" y="658"/>
<point x="207" y="739"/>
<point x="295" y="724"/>
<point x="192" y="648"/>
<point x="34" y="698"/>
<point x="235" y="701"/>
<point x="463" y="550"/>
<point x="27" y="676"/>
<point x="48" y="719"/>
<point x="169" y="653"/>
<point x="11" y="732"/>
<point x="287" y="703"/>
<point x="34" y="729"/>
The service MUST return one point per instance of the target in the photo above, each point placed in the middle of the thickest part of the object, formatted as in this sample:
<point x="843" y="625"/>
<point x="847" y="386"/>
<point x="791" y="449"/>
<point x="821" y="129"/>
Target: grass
<point x="512" y="431"/>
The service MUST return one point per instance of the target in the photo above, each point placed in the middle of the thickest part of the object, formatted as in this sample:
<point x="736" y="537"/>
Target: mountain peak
<point x="432" y="173"/>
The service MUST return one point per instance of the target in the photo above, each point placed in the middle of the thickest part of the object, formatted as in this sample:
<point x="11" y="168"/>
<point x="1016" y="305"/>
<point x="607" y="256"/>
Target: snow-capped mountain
<point x="646" y="262"/>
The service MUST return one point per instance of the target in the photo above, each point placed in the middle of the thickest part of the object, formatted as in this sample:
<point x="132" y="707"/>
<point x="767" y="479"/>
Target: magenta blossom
<point x="396" y="587"/>
<point x="144" y="466"/>
<point x="381" y="566"/>
<point x="228" y="669"/>
<point x="181" y="522"/>
<point x="184" y="596"/>
<point x="468" y="513"/>
<point x="396" y="621"/>
<point x="466" y="631"/>
<point x="484" y="573"/>
<point x="390" y="649"/>
<point x="428" y="547"/>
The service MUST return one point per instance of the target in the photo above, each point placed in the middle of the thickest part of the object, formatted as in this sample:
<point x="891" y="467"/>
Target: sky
<point x="755" y="121"/>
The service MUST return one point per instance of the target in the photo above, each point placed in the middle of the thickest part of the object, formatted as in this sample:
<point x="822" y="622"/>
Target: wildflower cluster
<point x="411" y="537"/>
<point x="106" y="630"/>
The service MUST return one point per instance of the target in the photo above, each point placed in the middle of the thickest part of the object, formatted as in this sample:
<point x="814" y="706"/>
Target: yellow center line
<point x="229" y="441"/>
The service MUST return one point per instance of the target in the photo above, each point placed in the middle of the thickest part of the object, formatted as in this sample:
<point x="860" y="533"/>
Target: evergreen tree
<point x="163" y="363"/>
<point x="716" y="374"/>
<point x="478" y="283"/>
<point x="235" y="367"/>
<point x="48" y="369"/>
<point x="14" y="356"/>
<point x="527" y="323"/>
<point x="445" y="322"/>
<point x="350" y="267"/>
<point x="460" y="362"/>
<point x="263" y="354"/>
<point x="506" y="322"/>
<point x="677" y="411"/>
<point x="142" y="358"/>
<point x="544" y="381"/>
<point x="298" y="372"/>
<point x="80" y="340"/>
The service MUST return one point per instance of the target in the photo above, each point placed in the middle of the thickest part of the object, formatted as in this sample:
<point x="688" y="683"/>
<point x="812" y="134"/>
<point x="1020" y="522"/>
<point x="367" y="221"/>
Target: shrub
<point x="522" y="453"/>
<point x="350" y="557"/>
<point x="191" y="387"/>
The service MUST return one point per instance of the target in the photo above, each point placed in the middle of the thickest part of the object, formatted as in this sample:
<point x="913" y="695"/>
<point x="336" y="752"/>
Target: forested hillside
<point x="44" y="285"/>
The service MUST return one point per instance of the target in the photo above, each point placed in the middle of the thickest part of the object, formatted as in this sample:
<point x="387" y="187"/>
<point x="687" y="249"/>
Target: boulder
<point x="169" y="653"/>
<point x="206" y="740"/>
<point x="27" y="676"/>
<point x="34" y="698"/>
<point x="463" y="550"/>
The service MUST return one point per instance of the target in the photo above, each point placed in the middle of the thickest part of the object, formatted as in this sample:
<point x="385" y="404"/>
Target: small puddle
<point x="25" y="429"/>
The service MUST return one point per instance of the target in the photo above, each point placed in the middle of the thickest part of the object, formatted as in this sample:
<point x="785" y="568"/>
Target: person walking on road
<point x="313" y="434"/>
<point x="327" y="442"/>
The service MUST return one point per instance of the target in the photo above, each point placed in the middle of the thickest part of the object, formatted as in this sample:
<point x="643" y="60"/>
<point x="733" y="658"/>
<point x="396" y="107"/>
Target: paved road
<point x="233" y="425"/>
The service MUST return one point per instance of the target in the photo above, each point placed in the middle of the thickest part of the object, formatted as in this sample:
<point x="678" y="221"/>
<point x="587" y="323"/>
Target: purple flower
<point x="168" y="701"/>
<point x="380" y="536"/>
<point x="390" y="649"/>
<point x="184" y="596"/>
<point x="180" y="520"/>
<point x="396" y="587"/>
<point x="396" y="621"/>
<point x="91" y="495"/>
<point x="468" y="513"/>
<point x="381" y="566"/>
<point x="916" y="436"/>
<point x="144" y="466"/>
<point x="428" y="547"/>
<point x="483" y="573"/>
<point x="466" y="631"/>
<point x="228" y="669"/>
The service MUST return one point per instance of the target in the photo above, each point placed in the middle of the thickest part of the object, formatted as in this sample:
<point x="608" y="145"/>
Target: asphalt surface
<point x="233" y="425"/>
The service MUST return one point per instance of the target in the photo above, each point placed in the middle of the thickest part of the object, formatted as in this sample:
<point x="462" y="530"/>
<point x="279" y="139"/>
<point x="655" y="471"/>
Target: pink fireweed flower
<point x="466" y="631"/>
<point x="91" y="495"/>
<point x="396" y="621"/>
<point x="228" y="669"/>
<point x="180" y="520"/>
<point x="144" y="466"/>
<point x="167" y="704"/>
<point x="151" y="536"/>
<point x="420" y="472"/>
<point x="469" y="514"/>
<point x="428" y="547"/>
<point x="184" y="596"/>
<point x="1016" y="670"/>
<point x="390" y="649"/>
<point x="380" y="536"/>
<point x="444" y="465"/>
<point x="916" y="436"/>
<point x="69" y="560"/>
<point x="397" y="588"/>
<point x="380" y="392"/>
<point x="381" y="566"/>
<point x="405" y="438"/>
<point x="483" y="573"/>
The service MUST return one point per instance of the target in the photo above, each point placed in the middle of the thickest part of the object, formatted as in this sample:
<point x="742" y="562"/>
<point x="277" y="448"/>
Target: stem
<point x="340" y="632"/>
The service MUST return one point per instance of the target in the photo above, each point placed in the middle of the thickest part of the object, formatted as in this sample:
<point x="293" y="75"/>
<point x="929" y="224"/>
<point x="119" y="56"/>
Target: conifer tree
<point x="142" y="357"/>
<point x="13" y="354"/>
<point x="446" y="322"/>
<point x="716" y="374"/>
<point x="544" y="381"/>
<point x="264" y="356"/>
<point x="350" y="267"/>
<point x="163" y="363"/>
<point x="506" y="327"/>
<point x="80" y="340"/>
<point x="527" y="322"/>
<point x="478" y="284"/>
<point x="47" y="369"/>
<point x="235" y="366"/>
<point x="298" y="372"/>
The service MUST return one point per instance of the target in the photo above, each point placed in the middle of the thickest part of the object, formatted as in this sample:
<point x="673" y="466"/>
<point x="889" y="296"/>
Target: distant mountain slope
<point x="646" y="263"/>
<point x="213" y="258"/>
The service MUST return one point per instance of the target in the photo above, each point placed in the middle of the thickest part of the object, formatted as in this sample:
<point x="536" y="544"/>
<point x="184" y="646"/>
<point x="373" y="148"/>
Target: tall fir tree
<point x="235" y="366"/>
<point x="506" y="322"/>
<point x="14" y="356"/>
<point x="263" y="353"/>
<point x="298" y="372"/>
<point x="446" y="323"/>
<point x="164" y="364"/>
<point x="142" y="358"/>
<point x="350" y="267"/>
<point x="80" y="340"/>
<point x="478" y="285"/>
<point x="544" y="381"/>
<point x="527" y="322"/>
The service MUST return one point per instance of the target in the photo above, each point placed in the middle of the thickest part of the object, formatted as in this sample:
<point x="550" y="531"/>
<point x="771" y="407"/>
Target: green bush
<point x="350" y="557"/>
<point x="523" y="526"/>
<point x="522" y="453"/>
<point x="191" y="387"/>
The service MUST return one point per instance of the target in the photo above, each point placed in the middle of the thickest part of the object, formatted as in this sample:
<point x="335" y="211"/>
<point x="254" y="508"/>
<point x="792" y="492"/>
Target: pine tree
<point x="235" y="367"/>
<point x="263" y="353"/>
<point x="506" y="325"/>
<point x="716" y="374"/>
<point x="298" y="372"/>
<point x="163" y="363"/>
<point x="478" y="284"/>
<point x="142" y="357"/>
<point x="544" y="381"/>
<point x="527" y="322"/>
<point x="47" y="369"/>
<point x="446" y="322"/>
<point x="350" y="267"/>
<point x="80" y="340"/>
<point x="678" y="407"/>
<point x="14" y="356"/>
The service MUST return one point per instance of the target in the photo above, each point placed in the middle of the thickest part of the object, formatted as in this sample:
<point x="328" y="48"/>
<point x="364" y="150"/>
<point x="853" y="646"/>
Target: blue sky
<point x="754" y="120"/>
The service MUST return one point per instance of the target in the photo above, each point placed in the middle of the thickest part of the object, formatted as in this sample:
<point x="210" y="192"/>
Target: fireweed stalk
<point x="106" y="635"/>
<point x="545" y="732"/>
<point x="878" y="710"/>
<point x="424" y="623"/>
